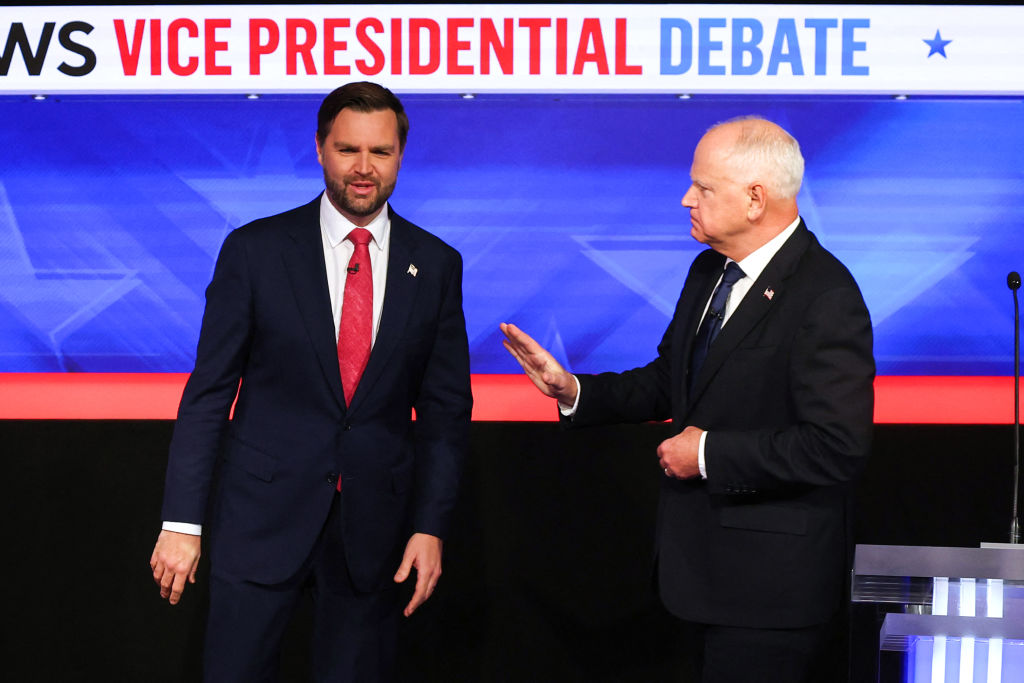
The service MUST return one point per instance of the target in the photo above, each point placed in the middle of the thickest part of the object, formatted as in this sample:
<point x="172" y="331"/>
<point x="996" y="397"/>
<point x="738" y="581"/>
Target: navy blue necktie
<point x="712" y="323"/>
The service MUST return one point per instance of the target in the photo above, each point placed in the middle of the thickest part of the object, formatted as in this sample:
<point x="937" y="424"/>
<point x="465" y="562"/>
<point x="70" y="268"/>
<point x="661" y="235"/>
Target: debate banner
<point x="515" y="48"/>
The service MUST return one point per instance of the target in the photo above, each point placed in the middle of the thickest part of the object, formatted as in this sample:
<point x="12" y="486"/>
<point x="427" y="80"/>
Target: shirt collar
<point x="337" y="227"/>
<point x="757" y="260"/>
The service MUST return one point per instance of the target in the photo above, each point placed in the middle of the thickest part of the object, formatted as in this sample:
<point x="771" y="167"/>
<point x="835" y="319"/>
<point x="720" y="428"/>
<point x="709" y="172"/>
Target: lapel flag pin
<point x="412" y="270"/>
<point x="769" y="293"/>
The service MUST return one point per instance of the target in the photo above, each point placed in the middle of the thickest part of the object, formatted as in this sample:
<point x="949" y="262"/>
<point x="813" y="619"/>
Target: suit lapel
<point x="399" y="298"/>
<point x="304" y="263"/>
<point x="695" y="295"/>
<point x="754" y="307"/>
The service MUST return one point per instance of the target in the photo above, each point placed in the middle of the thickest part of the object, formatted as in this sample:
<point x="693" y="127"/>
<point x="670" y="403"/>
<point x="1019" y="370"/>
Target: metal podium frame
<point x="957" y="614"/>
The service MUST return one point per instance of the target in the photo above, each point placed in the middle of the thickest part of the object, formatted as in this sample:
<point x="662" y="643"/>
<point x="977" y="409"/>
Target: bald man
<point x="766" y="372"/>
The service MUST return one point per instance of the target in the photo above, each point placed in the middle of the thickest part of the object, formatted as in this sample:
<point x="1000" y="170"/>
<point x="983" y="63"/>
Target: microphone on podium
<point x="1013" y="282"/>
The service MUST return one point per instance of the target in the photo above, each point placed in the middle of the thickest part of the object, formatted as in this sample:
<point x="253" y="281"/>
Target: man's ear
<point x="319" y="151"/>
<point x="757" y="201"/>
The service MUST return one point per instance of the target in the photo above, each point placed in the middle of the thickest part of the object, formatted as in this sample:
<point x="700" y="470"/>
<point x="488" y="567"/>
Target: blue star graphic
<point x="937" y="45"/>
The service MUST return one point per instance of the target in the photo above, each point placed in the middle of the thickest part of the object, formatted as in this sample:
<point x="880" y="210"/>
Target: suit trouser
<point x="728" y="654"/>
<point x="354" y="634"/>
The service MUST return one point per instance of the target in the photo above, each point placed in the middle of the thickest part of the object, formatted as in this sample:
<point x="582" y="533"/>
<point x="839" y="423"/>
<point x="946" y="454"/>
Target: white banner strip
<point x="888" y="49"/>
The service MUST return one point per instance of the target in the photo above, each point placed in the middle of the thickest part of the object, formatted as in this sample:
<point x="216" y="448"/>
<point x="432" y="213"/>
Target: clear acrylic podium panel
<point x="962" y="609"/>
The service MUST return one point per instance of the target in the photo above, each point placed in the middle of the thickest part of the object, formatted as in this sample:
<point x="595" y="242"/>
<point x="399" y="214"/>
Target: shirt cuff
<point x="700" y="456"/>
<point x="183" y="528"/>
<point x="569" y="411"/>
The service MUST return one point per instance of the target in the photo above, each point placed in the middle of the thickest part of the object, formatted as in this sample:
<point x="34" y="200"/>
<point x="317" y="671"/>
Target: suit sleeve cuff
<point x="183" y="528"/>
<point x="700" y="456"/>
<point x="569" y="411"/>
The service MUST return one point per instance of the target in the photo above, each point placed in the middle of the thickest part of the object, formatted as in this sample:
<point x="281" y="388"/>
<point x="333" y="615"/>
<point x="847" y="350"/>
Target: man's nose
<point x="362" y="163"/>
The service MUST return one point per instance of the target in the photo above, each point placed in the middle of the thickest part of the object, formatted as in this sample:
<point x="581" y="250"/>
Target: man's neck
<point x="762" y="232"/>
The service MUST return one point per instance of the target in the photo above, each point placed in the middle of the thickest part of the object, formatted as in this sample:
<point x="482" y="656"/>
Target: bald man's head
<point x="758" y="150"/>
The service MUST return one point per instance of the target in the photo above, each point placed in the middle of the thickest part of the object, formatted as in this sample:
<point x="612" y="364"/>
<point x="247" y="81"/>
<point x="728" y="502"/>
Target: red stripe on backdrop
<point x="511" y="398"/>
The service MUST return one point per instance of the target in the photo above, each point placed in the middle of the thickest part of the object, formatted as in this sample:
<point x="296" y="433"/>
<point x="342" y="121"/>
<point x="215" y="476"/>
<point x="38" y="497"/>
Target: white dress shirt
<point x="334" y="228"/>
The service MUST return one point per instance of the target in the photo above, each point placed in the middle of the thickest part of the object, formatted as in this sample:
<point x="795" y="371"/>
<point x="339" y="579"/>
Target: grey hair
<point x="767" y="153"/>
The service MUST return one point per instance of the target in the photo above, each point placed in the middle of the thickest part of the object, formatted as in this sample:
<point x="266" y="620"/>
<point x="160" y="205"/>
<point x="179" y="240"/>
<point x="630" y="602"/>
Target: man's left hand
<point x="678" y="455"/>
<point x="423" y="551"/>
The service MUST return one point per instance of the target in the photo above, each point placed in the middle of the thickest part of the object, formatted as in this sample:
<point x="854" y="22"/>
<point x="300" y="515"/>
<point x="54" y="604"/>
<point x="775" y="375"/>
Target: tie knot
<point x="733" y="273"/>
<point x="360" y="236"/>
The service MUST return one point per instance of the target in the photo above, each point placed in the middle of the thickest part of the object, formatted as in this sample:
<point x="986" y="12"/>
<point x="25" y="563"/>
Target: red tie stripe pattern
<point x="354" y="331"/>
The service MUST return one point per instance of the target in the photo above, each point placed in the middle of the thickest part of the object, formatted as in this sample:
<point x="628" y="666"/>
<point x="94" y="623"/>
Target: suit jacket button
<point x="332" y="478"/>
<point x="348" y="426"/>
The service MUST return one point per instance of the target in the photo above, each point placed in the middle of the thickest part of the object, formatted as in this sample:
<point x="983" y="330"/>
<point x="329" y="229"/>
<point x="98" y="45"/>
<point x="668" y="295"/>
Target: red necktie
<point x="354" y="331"/>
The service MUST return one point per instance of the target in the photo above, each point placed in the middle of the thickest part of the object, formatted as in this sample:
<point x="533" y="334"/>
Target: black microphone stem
<point x="1013" y="281"/>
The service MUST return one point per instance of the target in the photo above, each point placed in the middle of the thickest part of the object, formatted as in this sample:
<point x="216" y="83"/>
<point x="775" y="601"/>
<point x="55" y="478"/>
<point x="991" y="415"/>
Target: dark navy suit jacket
<point x="787" y="398"/>
<point x="268" y="324"/>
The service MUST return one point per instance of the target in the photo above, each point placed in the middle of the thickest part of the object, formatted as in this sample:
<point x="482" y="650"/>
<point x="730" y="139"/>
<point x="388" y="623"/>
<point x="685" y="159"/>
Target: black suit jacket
<point x="786" y="395"/>
<point x="268" y="324"/>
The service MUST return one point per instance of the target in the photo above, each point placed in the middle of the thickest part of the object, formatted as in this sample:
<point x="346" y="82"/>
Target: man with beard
<point x="330" y="323"/>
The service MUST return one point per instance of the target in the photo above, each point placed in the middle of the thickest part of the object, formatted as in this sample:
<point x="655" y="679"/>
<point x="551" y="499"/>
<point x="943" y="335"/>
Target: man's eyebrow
<point x="341" y="144"/>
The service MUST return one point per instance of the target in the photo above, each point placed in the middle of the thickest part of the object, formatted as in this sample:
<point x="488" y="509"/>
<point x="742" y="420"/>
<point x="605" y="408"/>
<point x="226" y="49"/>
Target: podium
<point x="955" y="614"/>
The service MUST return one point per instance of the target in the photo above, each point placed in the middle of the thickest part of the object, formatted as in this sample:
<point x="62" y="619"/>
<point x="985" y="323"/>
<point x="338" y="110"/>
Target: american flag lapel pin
<point x="412" y="269"/>
<point x="769" y="293"/>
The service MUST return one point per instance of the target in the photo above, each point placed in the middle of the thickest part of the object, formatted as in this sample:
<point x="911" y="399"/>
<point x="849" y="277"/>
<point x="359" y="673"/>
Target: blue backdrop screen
<point x="566" y="210"/>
